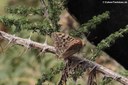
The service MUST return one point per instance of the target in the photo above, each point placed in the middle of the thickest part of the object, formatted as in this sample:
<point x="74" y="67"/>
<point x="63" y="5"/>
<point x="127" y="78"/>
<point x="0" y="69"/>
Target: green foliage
<point x="18" y="67"/>
<point x="124" y="73"/>
<point x="25" y="11"/>
<point x="50" y="12"/>
<point x="12" y="22"/>
<point x="107" y="42"/>
<point x="54" y="9"/>
<point x="106" y="81"/>
<point x="91" y="24"/>
<point x="49" y="75"/>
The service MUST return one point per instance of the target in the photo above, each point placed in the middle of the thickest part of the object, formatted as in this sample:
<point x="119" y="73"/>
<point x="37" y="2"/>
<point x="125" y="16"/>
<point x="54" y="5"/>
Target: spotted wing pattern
<point x="66" y="45"/>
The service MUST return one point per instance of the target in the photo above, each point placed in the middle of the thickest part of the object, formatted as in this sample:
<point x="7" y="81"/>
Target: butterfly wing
<point x="74" y="47"/>
<point x="65" y="45"/>
<point x="60" y="42"/>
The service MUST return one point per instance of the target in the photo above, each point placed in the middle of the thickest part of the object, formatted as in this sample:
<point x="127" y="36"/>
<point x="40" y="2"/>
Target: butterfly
<point x="66" y="45"/>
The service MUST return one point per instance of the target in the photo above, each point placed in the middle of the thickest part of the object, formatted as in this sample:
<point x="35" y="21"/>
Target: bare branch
<point x="26" y="42"/>
<point x="105" y="71"/>
<point x="48" y="48"/>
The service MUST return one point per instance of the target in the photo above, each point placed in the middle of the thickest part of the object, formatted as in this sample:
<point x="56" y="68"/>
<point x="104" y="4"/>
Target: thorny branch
<point x="26" y="42"/>
<point x="86" y="63"/>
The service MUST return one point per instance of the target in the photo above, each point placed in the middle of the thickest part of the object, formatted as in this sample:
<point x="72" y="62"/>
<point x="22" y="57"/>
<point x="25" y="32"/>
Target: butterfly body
<point x="66" y="45"/>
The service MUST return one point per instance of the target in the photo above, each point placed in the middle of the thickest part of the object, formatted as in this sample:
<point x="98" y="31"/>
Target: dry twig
<point x="86" y="63"/>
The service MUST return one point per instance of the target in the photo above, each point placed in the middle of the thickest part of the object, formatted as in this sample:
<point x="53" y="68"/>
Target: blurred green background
<point x="22" y="66"/>
<point x="18" y="66"/>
